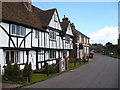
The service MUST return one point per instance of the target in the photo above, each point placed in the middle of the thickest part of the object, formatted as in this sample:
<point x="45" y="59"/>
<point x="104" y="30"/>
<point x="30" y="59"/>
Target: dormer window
<point x="17" y="30"/>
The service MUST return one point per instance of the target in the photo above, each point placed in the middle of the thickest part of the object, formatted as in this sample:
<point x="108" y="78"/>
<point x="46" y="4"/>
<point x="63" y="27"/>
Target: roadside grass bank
<point x="72" y="66"/>
<point x="114" y="56"/>
<point x="38" y="77"/>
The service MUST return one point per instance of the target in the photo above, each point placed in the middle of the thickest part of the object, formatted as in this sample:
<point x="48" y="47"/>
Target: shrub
<point x="29" y="72"/>
<point x="8" y="69"/>
<point x="16" y="70"/>
<point x="71" y="60"/>
<point x="52" y="69"/>
<point x="25" y="70"/>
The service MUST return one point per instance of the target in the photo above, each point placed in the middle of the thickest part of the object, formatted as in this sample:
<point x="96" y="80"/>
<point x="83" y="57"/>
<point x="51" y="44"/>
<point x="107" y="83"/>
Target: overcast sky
<point x="98" y="20"/>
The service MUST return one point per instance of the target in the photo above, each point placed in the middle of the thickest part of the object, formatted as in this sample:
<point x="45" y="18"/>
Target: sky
<point x="98" y="20"/>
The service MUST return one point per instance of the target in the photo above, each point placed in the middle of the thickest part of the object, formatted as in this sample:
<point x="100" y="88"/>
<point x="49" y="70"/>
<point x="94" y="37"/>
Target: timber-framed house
<point x="28" y="33"/>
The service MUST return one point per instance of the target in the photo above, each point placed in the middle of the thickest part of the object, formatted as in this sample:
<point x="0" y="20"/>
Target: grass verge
<point x="38" y="77"/>
<point x="71" y="66"/>
<point x="115" y="56"/>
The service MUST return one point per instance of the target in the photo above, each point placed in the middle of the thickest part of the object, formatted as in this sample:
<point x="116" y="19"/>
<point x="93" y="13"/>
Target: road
<point x="101" y="72"/>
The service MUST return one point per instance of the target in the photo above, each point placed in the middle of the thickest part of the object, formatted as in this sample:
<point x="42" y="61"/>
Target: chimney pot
<point x="28" y="4"/>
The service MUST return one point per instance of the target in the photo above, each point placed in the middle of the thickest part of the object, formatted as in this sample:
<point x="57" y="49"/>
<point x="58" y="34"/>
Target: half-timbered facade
<point x="80" y="44"/>
<point x="67" y="36"/>
<point x="29" y="34"/>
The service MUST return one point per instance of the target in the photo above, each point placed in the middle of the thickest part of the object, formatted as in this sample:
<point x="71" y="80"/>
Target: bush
<point x="16" y="70"/>
<point x="25" y="70"/>
<point x="8" y="69"/>
<point x="71" y="60"/>
<point x="52" y="69"/>
<point x="29" y="70"/>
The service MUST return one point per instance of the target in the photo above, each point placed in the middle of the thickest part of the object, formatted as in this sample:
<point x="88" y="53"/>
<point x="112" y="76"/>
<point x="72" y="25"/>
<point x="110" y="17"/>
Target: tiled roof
<point x="16" y="12"/>
<point x="75" y="31"/>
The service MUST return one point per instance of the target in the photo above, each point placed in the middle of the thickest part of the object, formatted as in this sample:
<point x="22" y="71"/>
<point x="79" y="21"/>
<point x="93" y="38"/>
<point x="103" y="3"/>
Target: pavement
<point x="101" y="72"/>
<point x="10" y="85"/>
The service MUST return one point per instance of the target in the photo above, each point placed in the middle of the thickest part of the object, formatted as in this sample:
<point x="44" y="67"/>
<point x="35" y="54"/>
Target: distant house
<point x="28" y="33"/>
<point x="119" y="35"/>
<point x="119" y="40"/>
<point x="80" y="44"/>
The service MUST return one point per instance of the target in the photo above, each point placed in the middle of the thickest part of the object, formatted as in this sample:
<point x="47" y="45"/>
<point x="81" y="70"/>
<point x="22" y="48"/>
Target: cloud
<point x="107" y="34"/>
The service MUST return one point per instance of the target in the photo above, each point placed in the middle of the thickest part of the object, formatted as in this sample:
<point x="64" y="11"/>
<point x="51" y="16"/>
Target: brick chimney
<point x="28" y="4"/>
<point x="65" y="18"/>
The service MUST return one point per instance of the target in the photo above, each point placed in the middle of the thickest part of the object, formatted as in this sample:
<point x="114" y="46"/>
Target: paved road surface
<point x="102" y="72"/>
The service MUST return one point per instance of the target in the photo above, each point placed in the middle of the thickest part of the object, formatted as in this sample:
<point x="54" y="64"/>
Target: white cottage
<point x="67" y="35"/>
<point x="28" y="33"/>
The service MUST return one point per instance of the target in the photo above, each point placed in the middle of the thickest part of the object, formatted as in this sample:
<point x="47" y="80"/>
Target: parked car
<point x="111" y="53"/>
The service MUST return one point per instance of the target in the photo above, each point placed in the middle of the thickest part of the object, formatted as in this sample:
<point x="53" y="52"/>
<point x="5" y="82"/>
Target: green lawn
<point x="38" y="77"/>
<point x="115" y="56"/>
<point x="72" y="66"/>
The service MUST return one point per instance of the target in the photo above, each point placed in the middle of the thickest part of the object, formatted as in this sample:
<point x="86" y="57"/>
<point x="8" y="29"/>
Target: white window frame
<point x="52" y="35"/>
<point x="21" y="31"/>
<point x="36" y="34"/>
<point x="52" y="54"/>
<point x="16" y="56"/>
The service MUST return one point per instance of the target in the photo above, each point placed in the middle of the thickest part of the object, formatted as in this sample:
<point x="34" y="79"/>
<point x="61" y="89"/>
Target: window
<point x="17" y="30"/>
<point x="22" y="31"/>
<point x="77" y="37"/>
<point x="13" y="28"/>
<point x="67" y="38"/>
<point x="12" y="56"/>
<point x="7" y="57"/>
<point x="52" y="35"/>
<point x="55" y="17"/>
<point x="36" y="34"/>
<point x="52" y="54"/>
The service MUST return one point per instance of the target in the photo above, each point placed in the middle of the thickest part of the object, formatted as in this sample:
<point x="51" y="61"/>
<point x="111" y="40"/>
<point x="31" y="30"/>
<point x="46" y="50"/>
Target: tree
<point x="108" y="44"/>
<point x="16" y="70"/>
<point x="25" y="70"/>
<point x="8" y="70"/>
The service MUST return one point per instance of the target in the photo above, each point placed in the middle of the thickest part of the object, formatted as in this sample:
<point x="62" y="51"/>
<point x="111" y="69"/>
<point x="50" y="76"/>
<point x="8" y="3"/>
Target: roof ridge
<point x="50" y="10"/>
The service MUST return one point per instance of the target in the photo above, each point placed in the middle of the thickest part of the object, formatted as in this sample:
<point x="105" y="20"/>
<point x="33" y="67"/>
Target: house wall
<point x="2" y="60"/>
<point x="4" y="39"/>
<point x="54" y="23"/>
<point x="31" y="44"/>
